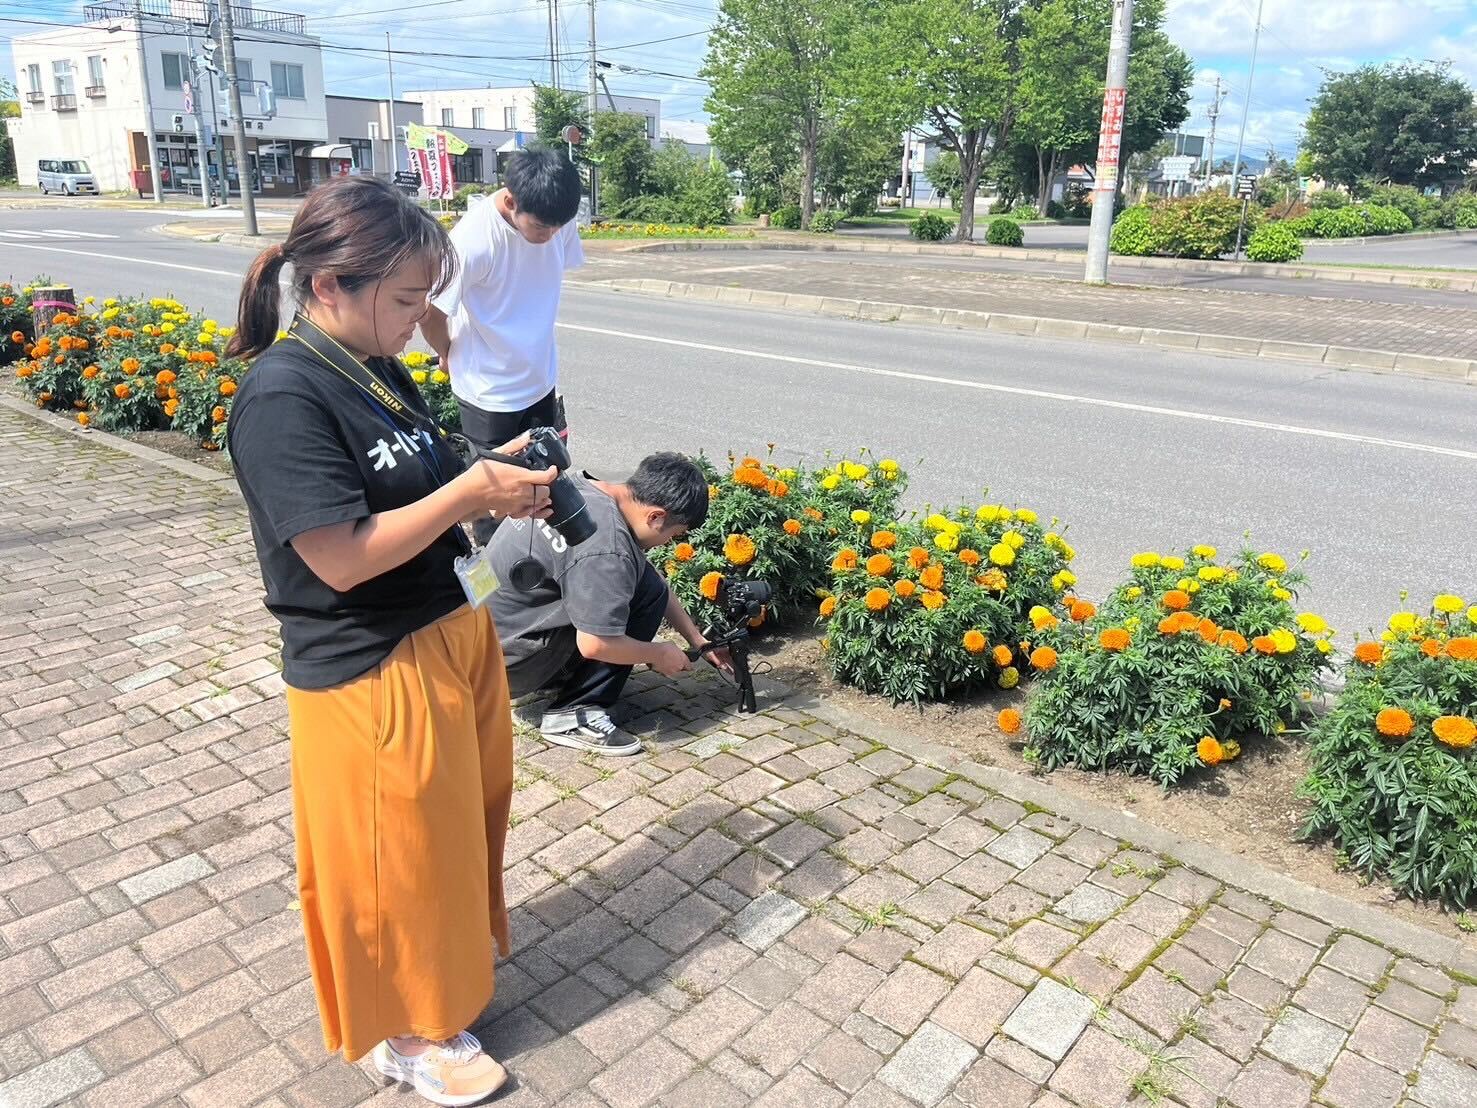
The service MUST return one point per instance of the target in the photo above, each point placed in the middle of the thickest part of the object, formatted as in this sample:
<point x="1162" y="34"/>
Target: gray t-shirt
<point x="586" y="588"/>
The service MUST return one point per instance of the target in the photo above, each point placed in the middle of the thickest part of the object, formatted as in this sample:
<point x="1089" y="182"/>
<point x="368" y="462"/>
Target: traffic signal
<point x="178" y="121"/>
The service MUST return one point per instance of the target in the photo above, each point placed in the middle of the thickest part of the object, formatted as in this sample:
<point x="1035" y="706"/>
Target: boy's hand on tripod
<point x="720" y="659"/>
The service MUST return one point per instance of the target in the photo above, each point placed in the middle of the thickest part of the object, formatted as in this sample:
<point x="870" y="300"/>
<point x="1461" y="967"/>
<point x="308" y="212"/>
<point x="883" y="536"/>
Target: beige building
<point x="511" y="109"/>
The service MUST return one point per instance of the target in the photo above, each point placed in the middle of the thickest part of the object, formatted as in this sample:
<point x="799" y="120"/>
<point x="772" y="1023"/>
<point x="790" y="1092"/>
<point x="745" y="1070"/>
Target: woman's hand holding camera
<point x="509" y="490"/>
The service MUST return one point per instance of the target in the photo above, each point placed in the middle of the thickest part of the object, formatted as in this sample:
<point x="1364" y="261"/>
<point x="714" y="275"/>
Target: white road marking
<point x="131" y="261"/>
<point x="1042" y="394"/>
<point x="20" y="234"/>
<point x="54" y="233"/>
<point x="83" y="234"/>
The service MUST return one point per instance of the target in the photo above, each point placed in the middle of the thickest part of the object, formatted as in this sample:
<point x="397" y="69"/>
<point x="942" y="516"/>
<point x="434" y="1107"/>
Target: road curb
<point x="1451" y="283"/>
<point x="1461" y="370"/>
<point x="229" y="238"/>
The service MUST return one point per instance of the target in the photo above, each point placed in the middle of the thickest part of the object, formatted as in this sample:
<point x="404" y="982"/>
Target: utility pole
<point x="553" y="48"/>
<point x="394" y="135"/>
<point x="594" y="101"/>
<point x="1110" y="138"/>
<point x="1214" y="113"/>
<point x="1256" y="34"/>
<point x="233" y="104"/>
<point x="150" y="130"/>
<point x="195" y="105"/>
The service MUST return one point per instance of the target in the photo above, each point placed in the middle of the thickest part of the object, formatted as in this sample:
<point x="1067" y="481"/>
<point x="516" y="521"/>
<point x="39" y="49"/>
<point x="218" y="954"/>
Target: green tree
<point x="9" y="109"/>
<point x="622" y="152"/>
<point x="555" y="109"/>
<point x="1406" y="124"/>
<point x="948" y="178"/>
<point x="773" y="70"/>
<point x="1063" y="57"/>
<point x="853" y="164"/>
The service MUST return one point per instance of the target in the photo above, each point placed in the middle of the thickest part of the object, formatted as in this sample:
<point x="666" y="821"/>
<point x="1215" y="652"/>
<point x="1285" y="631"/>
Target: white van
<point x="68" y="176"/>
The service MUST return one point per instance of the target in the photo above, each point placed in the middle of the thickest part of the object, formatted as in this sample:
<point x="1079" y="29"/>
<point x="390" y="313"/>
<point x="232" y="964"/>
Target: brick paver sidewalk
<point x="1424" y="329"/>
<point x="772" y="910"/>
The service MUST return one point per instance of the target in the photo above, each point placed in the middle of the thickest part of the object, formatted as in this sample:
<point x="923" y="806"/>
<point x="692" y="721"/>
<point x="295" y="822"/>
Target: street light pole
<point x="233" y="102"/>
<point x="1256" y="33"/>
<point x="1110" y="138"/>
<point x="594" y="101"/>
<point x="150" y="134"/>
<point x="394" y="138"/>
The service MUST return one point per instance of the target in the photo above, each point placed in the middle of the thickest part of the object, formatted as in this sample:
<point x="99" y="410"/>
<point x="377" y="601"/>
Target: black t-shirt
<point x="311" y="449"/>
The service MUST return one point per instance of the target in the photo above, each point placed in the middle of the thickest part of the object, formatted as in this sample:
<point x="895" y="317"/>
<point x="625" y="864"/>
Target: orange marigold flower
<point x="127" y="334"/>
<point x="1463" y="649"/>
<point x="878" y="599"/>
<point x="905" y="588"/>
<point x="7" y="301"/>
<point x="879" y="565"/>
<point x="844" y="561"/>
<point x="792" y="527"/>
<point x="1176" y="600"/>
<point x="1394" y="723"/>
<point x="170" y="407"/>
<point x="738" y="549"/>
<point x="167" y="348"/>
<point x="228" y="387"/>
<point x="122" y="392"/>
<point x="1264" y="644"/>
<point x="115" y="332"/>
<point x="883" y="540"/>
<point x="991" y="579"/>
<point x="90" y="372"/>
<point x="1043" y="658"/>
<point x="933" y="600"/>
<point x="166" y="377"/>
<point x="683" y="552"/>
<point x="828" y="607"/>
<point x="975" y="642"/>
<point x="1233" y="641"/>
<point x="130" y="366"/>
<point x="1211" y="752"/>
<point x="1082" y="610"/>
<point x="24" y="371"/>
<point x="218" y="414"/>
<point x="83" y="418"/>
<point x="1009" y="720"/>
<point x="1114" y="639"/>
<point x="932" y="577"/>
<point x="750" y="477"/>
<point x="969" y="557"/>
<point x="750" y="462"/>
<point x="43" y="347"/>
<point x="1208" y="630"/>
<point x="708" y="586"/>
<point x="1003" y="656"/>
<point x="813" y="513"/>
<point x="918" y="557"/>
<point x="17" y="337"/>
<point x="1455" y="731"/>
<point x="777" y="489"/>
<point x="59" y="359"/>
<point x="1370" y="653"/>
<point x="1431" y="648"/>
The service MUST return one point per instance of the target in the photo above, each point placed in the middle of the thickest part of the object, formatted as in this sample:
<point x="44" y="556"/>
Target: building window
<point x="95" y="71"/>
<point x="244" y="77"/>
<point x="479" y="117"/>
<point x="651" y="127"/>
<point x="61" y="73"/>
<point x="446" y="117"/>
<point x="287" y="81"/>
<point x="33" y="76"/>
<point x="362" y="155"/>
<point x="510" y="118"/>
<point x="466" y="169"/>
<point x="175" y="68"/>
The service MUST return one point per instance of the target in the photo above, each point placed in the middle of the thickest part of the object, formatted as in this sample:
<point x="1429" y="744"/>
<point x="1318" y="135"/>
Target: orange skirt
<point x="402" y="780"/>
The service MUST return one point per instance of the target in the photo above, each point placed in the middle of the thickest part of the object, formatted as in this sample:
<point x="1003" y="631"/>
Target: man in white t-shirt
<point x="493" y="327"/>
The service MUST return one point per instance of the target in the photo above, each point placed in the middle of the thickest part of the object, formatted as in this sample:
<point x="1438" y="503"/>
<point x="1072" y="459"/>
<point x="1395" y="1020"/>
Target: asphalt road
<point x="1133" y="448"/>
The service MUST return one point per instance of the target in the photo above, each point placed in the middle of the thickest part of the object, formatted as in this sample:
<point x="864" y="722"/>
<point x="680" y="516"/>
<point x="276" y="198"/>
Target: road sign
<point x="1246" y="185"/>
<point x="1177" y="168"/>
<point x="410" y="182"/>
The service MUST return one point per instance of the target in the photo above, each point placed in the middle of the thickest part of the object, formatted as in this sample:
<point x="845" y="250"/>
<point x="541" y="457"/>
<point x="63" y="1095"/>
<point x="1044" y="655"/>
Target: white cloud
<point x="1213" y="28"/>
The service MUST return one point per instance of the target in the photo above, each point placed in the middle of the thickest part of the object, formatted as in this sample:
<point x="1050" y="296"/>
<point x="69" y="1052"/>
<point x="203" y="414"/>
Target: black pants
<point x="490" y="430"/>
<point x="582" y="682"/>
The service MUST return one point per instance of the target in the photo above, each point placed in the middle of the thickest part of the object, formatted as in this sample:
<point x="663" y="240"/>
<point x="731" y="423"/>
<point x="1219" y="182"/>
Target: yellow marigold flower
<point x="440" y="376"/>
<point x="419" y="376"/>
<point x="1063" y="580"/>
<point x="416" y="358"/>
<point x="1147" y="560"/>
<point x="205" y="338"/>
<point x="861" y="518"/>
<point x="1211" y="574"/>
<point x="1013" y="539"/>
<point x="830" y="482"/>
<point x="938" y="522"/>
<point x="1230" y="749"/>
<point x="1448" y="604"/>
<point x="1403" y="623"/>
<point x="987" y="513"/>
<point x="1025" y="515"/>
<point x="1472" y="615"/>
<point x="946" y="541"/>
<point x="1272" y="563"/>
<point x="1010" y="677"/>
<point x="210" y="325"/>
<point x="1285" y="641"/>
<point x="1324" y="646"/>
<point x="1134" y="592"/>
<point x="1173" y="564"/>
<point x="167" y="328"/>
<point x="854" y="472"/>
<point x="1002" y="555"/>
<point x="1282" y="594"/>
<point x="110" y="313"/>
<point x="1203" y="551"/>
<point x="888" y="466"/>
<point x="110" y="302"/>
<point x="1312" y="624"/>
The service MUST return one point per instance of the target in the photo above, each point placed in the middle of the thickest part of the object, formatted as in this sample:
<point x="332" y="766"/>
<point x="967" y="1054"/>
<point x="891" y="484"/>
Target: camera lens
<point x="570" y="516"/>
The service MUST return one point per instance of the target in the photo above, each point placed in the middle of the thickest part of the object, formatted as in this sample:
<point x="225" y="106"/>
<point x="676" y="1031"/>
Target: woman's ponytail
<point x="261" y="300"/>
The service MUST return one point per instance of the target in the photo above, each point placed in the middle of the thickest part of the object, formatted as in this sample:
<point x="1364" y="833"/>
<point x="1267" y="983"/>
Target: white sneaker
<point x="453" y="1073"/>
<point x="590" y="729"/>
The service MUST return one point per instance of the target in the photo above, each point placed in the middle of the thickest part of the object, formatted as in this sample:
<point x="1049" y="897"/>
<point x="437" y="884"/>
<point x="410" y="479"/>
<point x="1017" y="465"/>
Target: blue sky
<point x="500" y="41"/>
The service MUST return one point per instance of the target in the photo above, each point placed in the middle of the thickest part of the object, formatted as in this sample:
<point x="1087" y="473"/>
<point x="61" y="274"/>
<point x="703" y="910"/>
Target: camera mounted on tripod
<point x="742" y="602"/>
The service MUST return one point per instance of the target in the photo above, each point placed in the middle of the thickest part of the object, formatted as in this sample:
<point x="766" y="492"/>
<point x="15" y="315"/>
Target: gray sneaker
<point x="588" y="728"/>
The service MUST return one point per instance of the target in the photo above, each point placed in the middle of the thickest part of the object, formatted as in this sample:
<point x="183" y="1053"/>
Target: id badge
<point x="476" y="574"/>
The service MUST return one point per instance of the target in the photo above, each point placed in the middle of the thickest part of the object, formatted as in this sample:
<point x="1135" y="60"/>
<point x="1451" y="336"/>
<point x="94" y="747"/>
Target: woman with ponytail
<point x="402" y="745"/>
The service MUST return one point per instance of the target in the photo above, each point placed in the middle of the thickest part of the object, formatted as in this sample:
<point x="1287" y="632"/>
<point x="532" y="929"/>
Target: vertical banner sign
<point x="1110" y="140"/>
<point x="421" y="160"/>
<point x="443" y="166"/>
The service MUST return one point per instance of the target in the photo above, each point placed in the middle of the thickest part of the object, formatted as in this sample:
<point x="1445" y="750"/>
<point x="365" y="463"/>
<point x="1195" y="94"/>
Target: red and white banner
<point x="1110" y="141"/>
<point x="443" y="168"/>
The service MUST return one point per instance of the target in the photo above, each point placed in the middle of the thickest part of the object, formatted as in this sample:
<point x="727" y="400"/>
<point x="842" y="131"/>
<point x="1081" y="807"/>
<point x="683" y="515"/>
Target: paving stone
<point x="1120" y="945"/>
<point x="1257" y="989"/>
<point x="1188" y="968"/>
<point x="800" y="1089"/>
<point x="1038" y="944"/>
<point x="51" y="1082"/>
<point x="1357" y="958"/>
<point x="846" y="982"/>
<point x="1389" y="1040"/>
<point x="844" y="1061"/>
<point x="1333" y="997"/>
<point x="938" y="903"/>
<point x="1305" y="1042"/>
<point x="906" y="998"/>
<point x="1234" y="1026"/>
<point x="1018" y="1059"/>
<point x="956" y="948"/>
<point x="1458" y="1041"/>
<point x="990" y="1083"/>
<point x="1200" y="1075"/>
<point x="1049" y="1019"/>
<point x="1053" y="876"/>
<point x="1019" y="847"/>
<point x="976" y="1007"/>
<point x="1410" y="1002"/>
<point x="1090" y="903"/>
<point x="767" y="920"/>
<point x="616" y="1031"/>
<point x="981" y="875"/>
<point x="1265" y="1082"/>
<point x="1158" y="1003"/>
<point x="1355" y="1082"/>
<point x="1099" y="1069"/>
<point x="704" y="1087"/>
<point x="1443" y="1083"/>
<point x="766" y="982"/>
<point x="928" y="1064"/>
<point x="781" y="1039"/>
<point x="1281" y="956"/>
<point x="643" y="1075"/>
<point x="1233" y="926"/>
<point x="1013" y="905"/>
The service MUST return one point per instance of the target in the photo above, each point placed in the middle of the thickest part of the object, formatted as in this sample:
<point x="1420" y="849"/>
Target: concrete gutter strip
<point x="1343" y="357"/>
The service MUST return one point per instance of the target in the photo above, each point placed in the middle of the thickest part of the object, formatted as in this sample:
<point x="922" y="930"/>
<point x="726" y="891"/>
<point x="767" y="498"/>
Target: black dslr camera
<point x="545" y="448"/>
<point x="741" y="602"/>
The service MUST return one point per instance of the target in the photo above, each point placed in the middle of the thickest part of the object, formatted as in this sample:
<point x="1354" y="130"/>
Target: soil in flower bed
<point x="1249" y="808"/>
<point x="181" y="446"/>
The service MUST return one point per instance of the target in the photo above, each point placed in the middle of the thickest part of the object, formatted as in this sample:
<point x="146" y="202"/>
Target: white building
<point x="511" y="109"/>
<point x="358" y="128"/>
<point x="82" y="94"/>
